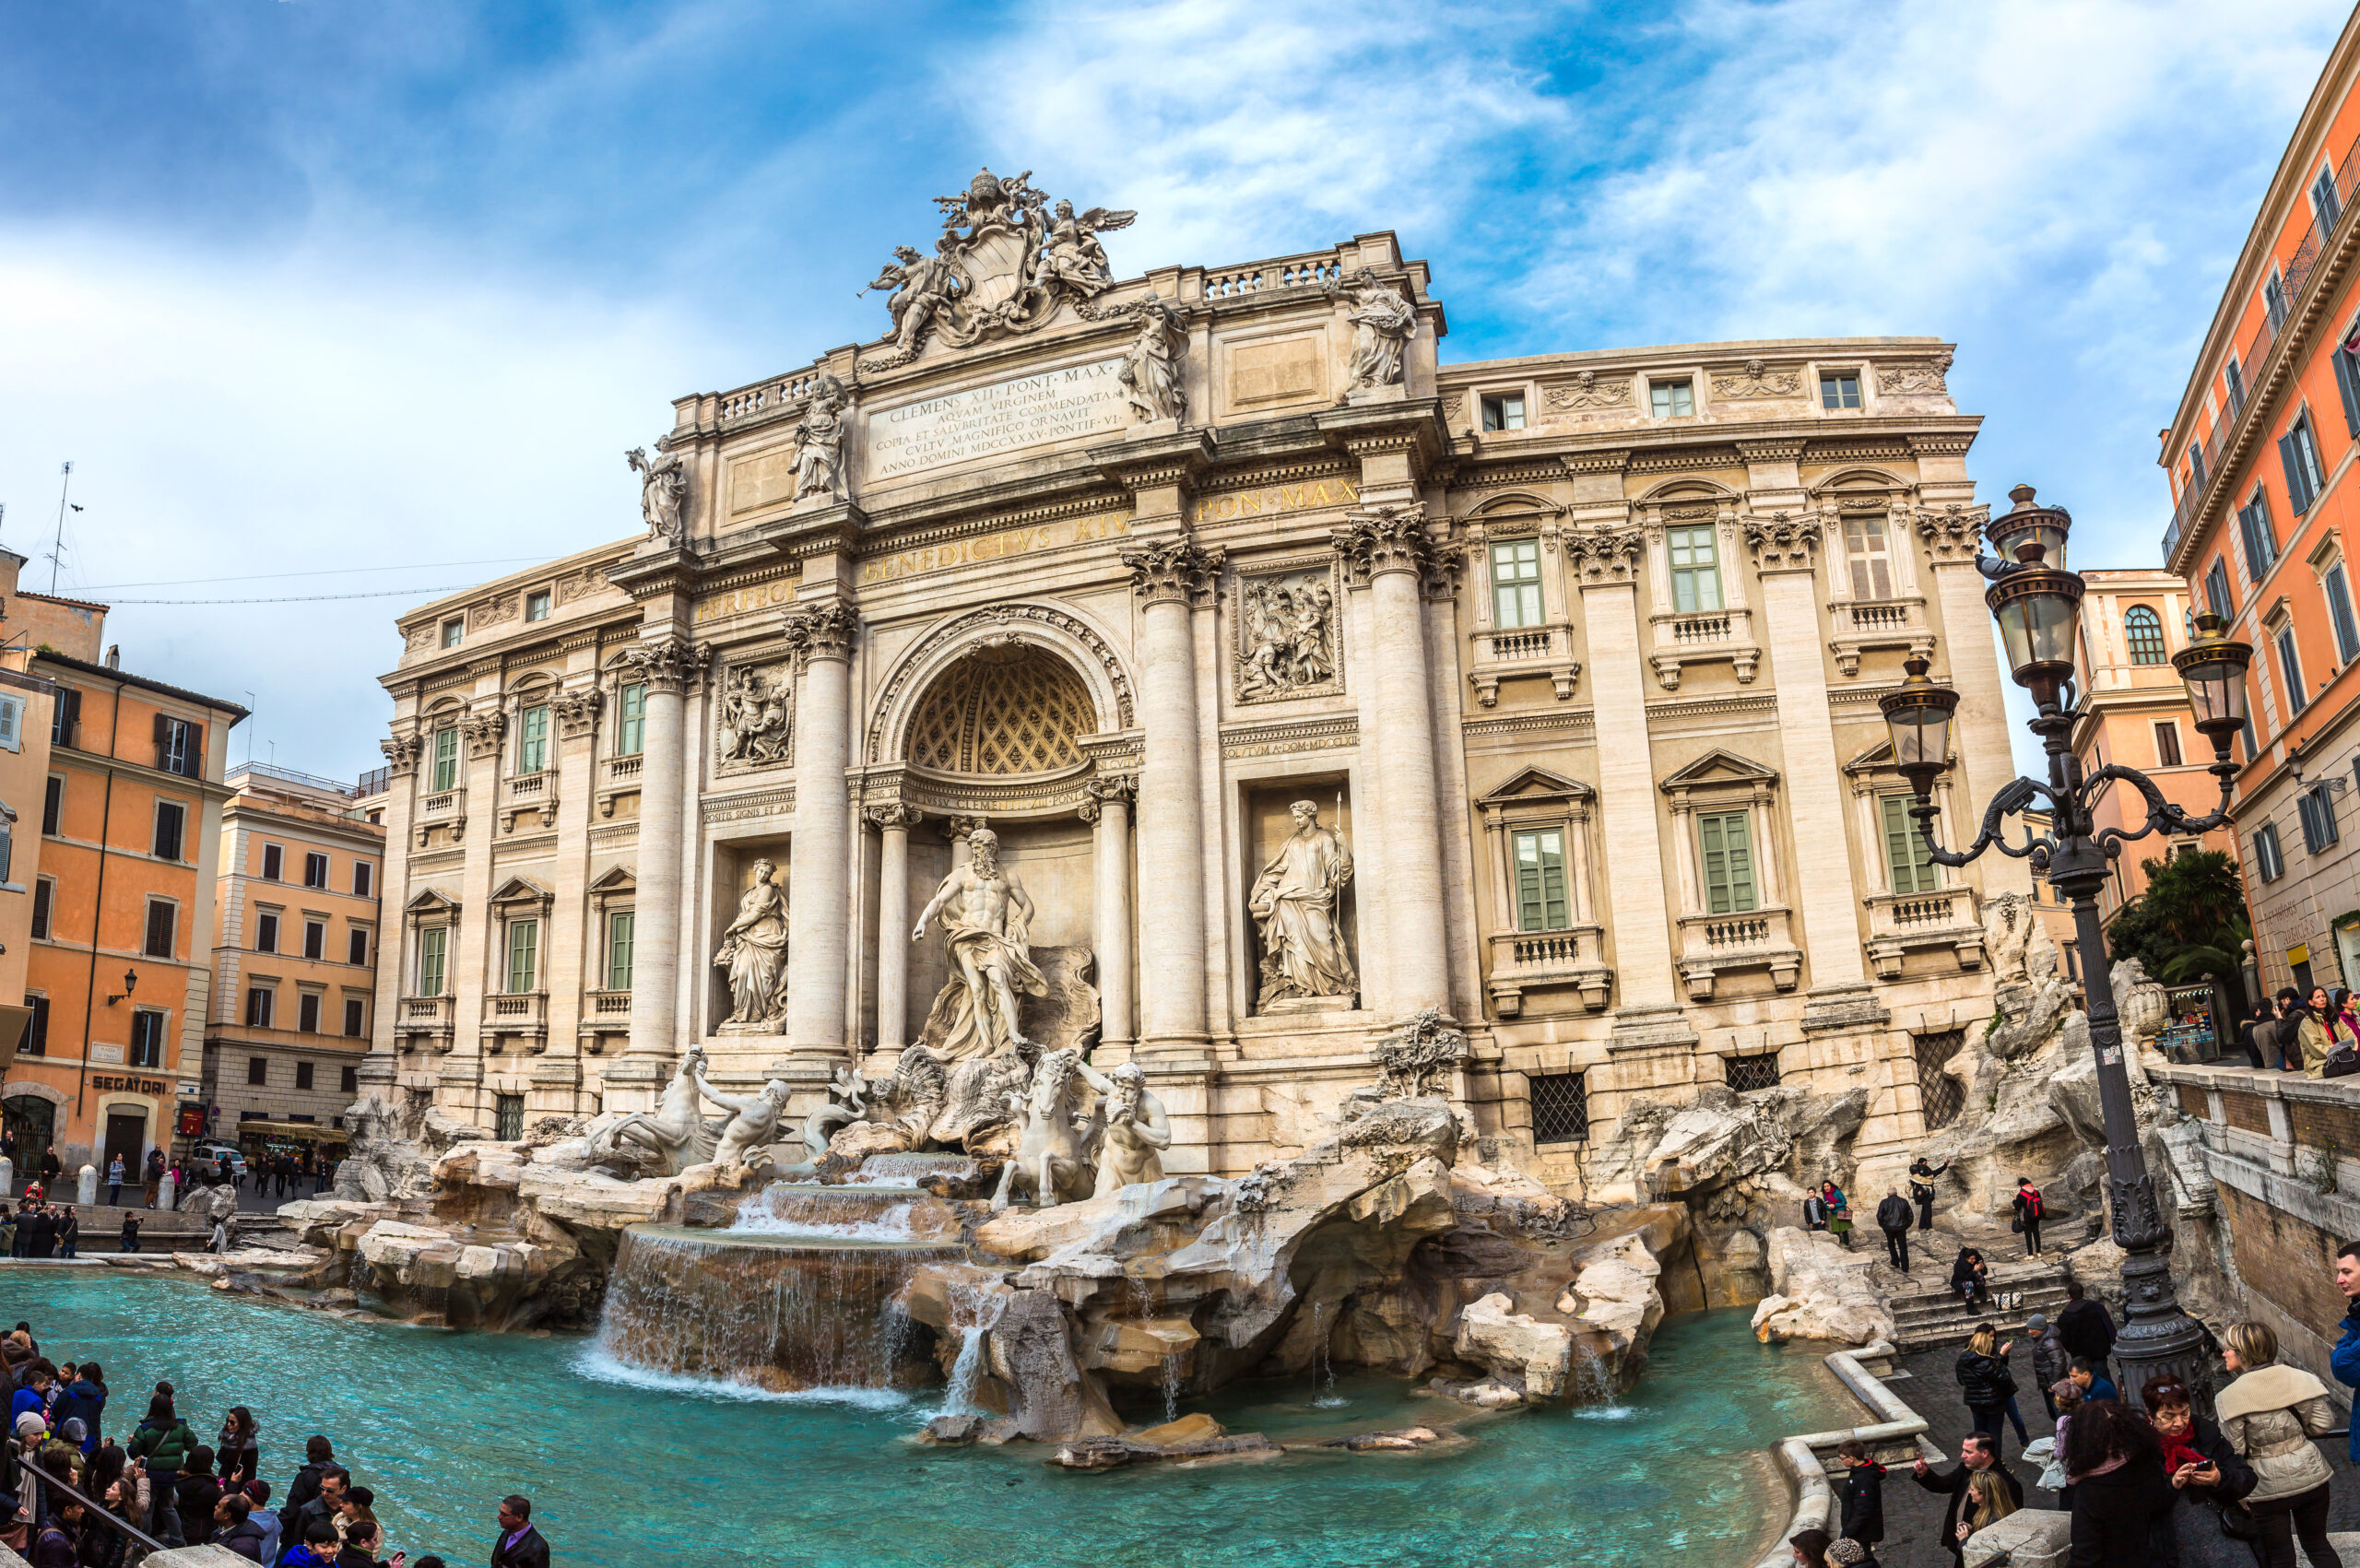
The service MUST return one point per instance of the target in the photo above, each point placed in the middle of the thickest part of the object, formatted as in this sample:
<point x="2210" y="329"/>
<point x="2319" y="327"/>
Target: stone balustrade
<point x="517" y="1015"/>
<point x="1523" y="961"/>
<point x="1861" y="624"/>
<point x="1711" y="945"/>
<point x="425" y="1020"/>
<point x="1902" y="923"/>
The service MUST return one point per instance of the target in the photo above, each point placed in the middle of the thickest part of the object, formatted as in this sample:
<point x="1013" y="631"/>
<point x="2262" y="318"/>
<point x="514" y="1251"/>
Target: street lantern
<point x="2035" y="602"/>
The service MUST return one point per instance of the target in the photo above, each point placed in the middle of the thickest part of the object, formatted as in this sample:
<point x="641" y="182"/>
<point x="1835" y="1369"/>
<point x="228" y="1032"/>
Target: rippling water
<point x="628" y="1467"/>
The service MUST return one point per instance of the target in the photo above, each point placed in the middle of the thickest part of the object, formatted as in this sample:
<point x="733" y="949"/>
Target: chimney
<point x="114" y="655"/>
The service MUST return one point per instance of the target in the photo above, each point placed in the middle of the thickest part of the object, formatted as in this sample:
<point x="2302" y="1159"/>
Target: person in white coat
<point x="2273" y="1416"/>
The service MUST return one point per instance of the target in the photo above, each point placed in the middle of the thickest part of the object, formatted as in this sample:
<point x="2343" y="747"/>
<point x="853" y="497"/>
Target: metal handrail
<point x="92" y="1507"/>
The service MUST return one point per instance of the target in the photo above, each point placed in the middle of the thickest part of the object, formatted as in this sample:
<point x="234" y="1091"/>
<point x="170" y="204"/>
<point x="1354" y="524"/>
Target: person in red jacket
<point x="2027" y="1206"/>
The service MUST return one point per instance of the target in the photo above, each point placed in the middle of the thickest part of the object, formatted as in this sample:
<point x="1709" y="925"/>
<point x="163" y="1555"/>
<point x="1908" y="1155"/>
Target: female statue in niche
<point x="1294" y="904"/>
<point x="753" y="952"/>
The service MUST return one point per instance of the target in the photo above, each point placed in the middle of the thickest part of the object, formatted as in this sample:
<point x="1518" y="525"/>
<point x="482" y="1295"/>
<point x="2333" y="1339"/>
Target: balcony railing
<point x="524" y="1014"/>
<point x="2296" y="275"/>
<point x="1712" y="945"/>
<point x="1523" y="644"/>
<point x="1522" y="960"/>
<point x="424" y="1019"/>
<point x="1520" y="651"/>
<point x="604" y="1013"/>
<point x="443" y="806"/>
<point x="1877" y="624"/>
<point x="1902" y="923"/>
<point x="619" y="769"/>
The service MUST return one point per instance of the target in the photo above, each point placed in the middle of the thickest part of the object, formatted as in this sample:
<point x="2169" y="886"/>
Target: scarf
<point x="2179" y="1451"/>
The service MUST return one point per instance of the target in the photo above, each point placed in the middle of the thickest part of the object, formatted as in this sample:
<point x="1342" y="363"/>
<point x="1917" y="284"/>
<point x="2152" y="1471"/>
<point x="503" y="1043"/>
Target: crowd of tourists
<point x="81" y="1487"/>
<point x="2317" y="1035"/>
<point x="2139" y="1476"/>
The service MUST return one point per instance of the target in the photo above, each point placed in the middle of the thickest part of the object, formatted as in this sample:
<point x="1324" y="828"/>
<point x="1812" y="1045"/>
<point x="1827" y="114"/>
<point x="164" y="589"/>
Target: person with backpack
<point x="1893" y="1219"/>
<point x="2028" y="1213"/>
<point x="1921" y="1189"/>
<point x="164" y="1443"/>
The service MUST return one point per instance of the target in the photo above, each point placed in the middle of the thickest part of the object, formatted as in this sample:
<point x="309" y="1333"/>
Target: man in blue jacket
<point x="2346" y="1360"/>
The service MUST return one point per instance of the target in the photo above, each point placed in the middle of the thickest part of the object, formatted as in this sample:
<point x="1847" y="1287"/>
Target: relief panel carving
<point x="1288" y="636"/>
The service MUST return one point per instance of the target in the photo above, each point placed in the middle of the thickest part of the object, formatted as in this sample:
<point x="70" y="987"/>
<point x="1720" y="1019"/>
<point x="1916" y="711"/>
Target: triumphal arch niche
<point x="1183" y="667"/>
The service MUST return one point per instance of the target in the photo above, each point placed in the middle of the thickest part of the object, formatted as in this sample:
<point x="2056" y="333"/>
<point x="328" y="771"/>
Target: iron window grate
<point x="1938" y="1094"/>
<point x="1560" y="1108"/>
<point x="1753" y="1072"/>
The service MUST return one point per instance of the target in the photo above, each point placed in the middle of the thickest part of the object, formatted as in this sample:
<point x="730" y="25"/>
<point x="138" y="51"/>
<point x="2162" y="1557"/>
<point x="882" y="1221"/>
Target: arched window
<point x="2142" y="633"/>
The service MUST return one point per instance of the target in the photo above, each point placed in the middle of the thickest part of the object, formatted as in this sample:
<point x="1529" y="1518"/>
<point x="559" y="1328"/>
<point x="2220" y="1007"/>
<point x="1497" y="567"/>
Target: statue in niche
<point x="751" y="727"/>
<point x="662" y="490"/>
<point x="820" y="452"/>
<point x="986" y="917"/>
<point x="1151" y="373"/>
<point x="753" y="1122"/>
<point x="1137" y="1130"/>
<point x="1294" y="904"/>
<point x="1286" y="637"/>
<point x="921" y="285"/>
<point x="1383" y="320"/>
<point x="753" y="955"/>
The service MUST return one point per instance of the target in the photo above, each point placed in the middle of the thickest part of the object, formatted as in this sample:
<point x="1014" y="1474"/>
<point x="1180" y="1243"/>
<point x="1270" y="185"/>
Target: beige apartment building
<point x="1303" y="682"/>
<point x="294" y="956"/>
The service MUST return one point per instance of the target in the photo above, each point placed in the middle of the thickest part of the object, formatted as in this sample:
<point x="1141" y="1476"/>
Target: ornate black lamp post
<point x="2034" y="600"/>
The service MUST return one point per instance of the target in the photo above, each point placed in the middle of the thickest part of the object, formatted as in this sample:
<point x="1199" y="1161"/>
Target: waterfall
<point x="1323" y="1370"/>
<point x="1172" y="1388"/>
<point x="960" y="1399"/>
<point x="1593" y="1389"/>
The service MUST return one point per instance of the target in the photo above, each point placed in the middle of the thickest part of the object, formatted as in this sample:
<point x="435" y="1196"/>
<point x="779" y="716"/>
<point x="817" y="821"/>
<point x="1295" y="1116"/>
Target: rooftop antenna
<point x="65" y="480"/>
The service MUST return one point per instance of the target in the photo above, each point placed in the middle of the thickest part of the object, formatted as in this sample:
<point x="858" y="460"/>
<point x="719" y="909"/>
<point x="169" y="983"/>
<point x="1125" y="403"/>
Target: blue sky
<point x="310" y="283"/>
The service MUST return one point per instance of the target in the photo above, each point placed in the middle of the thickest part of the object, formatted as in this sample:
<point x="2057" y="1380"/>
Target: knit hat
<point x="30" y="1425"/>
<point x="2037" y="1323"/>
<point x="1847" y="1550"/>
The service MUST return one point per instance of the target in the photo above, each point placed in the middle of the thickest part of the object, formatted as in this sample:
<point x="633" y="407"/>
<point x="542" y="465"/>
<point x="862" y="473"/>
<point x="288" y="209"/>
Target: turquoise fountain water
<point x="633" y="1469"/>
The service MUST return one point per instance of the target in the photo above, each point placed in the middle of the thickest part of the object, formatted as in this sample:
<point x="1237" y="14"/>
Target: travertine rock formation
<point x="1820" y="1291"/>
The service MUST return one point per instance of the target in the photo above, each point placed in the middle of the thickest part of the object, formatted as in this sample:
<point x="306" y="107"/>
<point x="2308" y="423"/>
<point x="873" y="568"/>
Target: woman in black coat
<point x="1984" y="1383"/>
<point x="2122" y="1504"/>
<point x="2221" y="1477"/>
<point x="1967" y="1278"/>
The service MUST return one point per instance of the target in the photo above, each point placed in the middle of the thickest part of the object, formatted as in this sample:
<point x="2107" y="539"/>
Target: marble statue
<point x="1071" y="252"/>
<point x="752" y="723"/>
<point x="2006" y="922"/>
<point x="1151" y="365"/>
<point x="2145" y="1007"/>
<point x="1411" y="1060"/>
<point x="820" y="437"/>
<point x="662" y="490"/>
<point x="753" y="952"/>
<point x="986" y="919"/>
<point x="847" y="1103"/>
<point x="667" y="1140"/>
<point x="921" y="286"/>
<point x="754" y="1121"/>
<point x="1053" y="1153"/>
<point x="1137" y="1130"/>
<point x="1294" y="904"/>
<point x="1383" y="320"/>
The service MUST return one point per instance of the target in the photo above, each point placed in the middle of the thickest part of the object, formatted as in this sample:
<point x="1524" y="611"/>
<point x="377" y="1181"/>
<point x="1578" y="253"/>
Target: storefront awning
<point x="294" y="1132"/>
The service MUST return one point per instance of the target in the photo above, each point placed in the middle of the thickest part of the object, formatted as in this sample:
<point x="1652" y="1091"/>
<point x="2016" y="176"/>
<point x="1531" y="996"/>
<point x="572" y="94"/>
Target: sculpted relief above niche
<point x="1289" y="637"/>
<point x="754" y="718"/>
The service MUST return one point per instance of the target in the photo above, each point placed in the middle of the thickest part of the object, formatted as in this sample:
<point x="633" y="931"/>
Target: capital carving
<point x="1784" y="542"/>
<point x="1179" y="570"/>
<point x="1107" y="788"/>
<point x="823" y="632"/>
<point x="1606" y="554"/>
<point x="577" y="711"/>
<point x="1954" y="533"/>
<point x="893" y="816"/>
<point x="402" y="751"/>
<point x="484" y="732"/>
<point x="668" y="663"/>
<point x="1384" y="539"/>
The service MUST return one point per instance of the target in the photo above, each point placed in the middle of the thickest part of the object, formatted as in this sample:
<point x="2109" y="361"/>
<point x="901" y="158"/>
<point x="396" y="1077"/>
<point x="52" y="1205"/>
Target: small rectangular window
<point x="533" y="745"/>
<point x="1746" y="1074"/>
<point x="1505" y="412"/>
<point x="1540" y="898"/>
<point x="508" y="1115"/>
<point x="1560" y="1107"/>
<point x="357" y="947"/>
<point x="2216" y="589"/>
<point x="12" y="723"/>
<point x="274" y="863"/>
<point x="446" y="758"/>
<point x="1725" y="841"/>
<point x="349" y="1079"/>
<point x="304" y="1069"/>
<point x="2196" y="464"/>
<point x="619" y="935"/>
<point x="355" y="1022"/>
<point x="2339" y="612"/>
<point x="180" y="747"/>
<point x="307" y="1012"/>
<point x="265" y="933"/>
<point x="2324" y="201"/>
<point x="1839" y="390"/>
<point x="1516" y="583"/>
<point x="2266" y="858"/>
<point x="2235" y="379"/>
<point x="1696" y="571"/>
<point x="2274" y="300"/>
<point x="315" y="938"/>
<point x="632" y="730"/>
<point x="147" y="1038"/>
<point x="2261" y="539"/>
<point x="65" y="716"/>
<point x="2167" y="745"/>
<point x="2347" y="378"/>
<point x="536" y="606"/>
<point x="44" y="906"/>
<point x="257" y="1071"/>
<point x="163" y="926"/>
<point x="453" y="630"/>
<point x="261" y="1002"/>
<point x="1906" y="855"/>
<point x="365" y="880"/>
<point x="52" y="805"/>
<point x="432" y="943"/>
<point x="1671" y="399"/>
<point x="1868" y="551"/>
<point x="315" y="870"/>
<point x="171" y="819"/>
<point x="2290" y="666"/>
<point x="2298" y="453"/>
<point x="524" y="955"/>
<point x="37" y="1033"/>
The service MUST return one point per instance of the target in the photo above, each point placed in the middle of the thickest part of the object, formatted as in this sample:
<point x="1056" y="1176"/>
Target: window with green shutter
<point x="1540" y="900"/>
<point x="1516" y="583"/>
<point x="1727" y="847"/>
<point x="446" y="758"/>
<point x="524" y="954"/>
<point x="1695" y="569"/>
<point x="619" y="935"/>
<point x="533" y="749"/>
<point x="631" y="733"/>
<point x="432" y="948"/>
<point x="1905" y="854"/>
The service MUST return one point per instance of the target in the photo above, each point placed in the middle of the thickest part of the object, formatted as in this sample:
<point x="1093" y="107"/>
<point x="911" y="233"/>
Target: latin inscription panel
<point x="985" y="421"/>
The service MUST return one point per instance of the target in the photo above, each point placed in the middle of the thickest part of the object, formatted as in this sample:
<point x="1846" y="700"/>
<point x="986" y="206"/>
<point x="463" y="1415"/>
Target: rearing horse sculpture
<point x="1053" y="1152"/>
<point x="670" y="1138"/>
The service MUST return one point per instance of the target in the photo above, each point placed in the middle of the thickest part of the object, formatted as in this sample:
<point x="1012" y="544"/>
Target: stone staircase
<point x="1930" y="1317"/>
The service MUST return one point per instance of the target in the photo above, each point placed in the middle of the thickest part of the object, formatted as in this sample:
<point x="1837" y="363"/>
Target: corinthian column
<point x="1389" y="547"/>
<point x="894" y="824"/>
<point x="817" y="867"/>
<point x="1167" y="577"/>
<point x="668" y="665"/>
<point x="1109" y="808"/>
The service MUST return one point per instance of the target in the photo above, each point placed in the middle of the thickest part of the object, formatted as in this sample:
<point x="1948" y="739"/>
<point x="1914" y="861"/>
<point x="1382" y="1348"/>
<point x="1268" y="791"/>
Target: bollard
<point x="164" y="1193"/>
<point x="8" y="1177"/>
<point x="86" y="1188"/>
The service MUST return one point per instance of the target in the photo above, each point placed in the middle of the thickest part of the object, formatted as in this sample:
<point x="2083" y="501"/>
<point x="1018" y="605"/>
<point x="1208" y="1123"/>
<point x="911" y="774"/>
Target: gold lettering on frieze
<point x="738" y="601"/>
<point x="1308" y="496"/>
<point x="998" y="545"/>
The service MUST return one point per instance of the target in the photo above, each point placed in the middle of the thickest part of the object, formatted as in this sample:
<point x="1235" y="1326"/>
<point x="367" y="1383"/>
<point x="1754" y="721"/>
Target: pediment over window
<point x="1878" y="759"/>
<point x="429" y="902"/>
<point x="1719" y="767"/>
<point x="621" y="880"/>
<point x="519" y="890"/>
<point x="1537" y="787"/>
